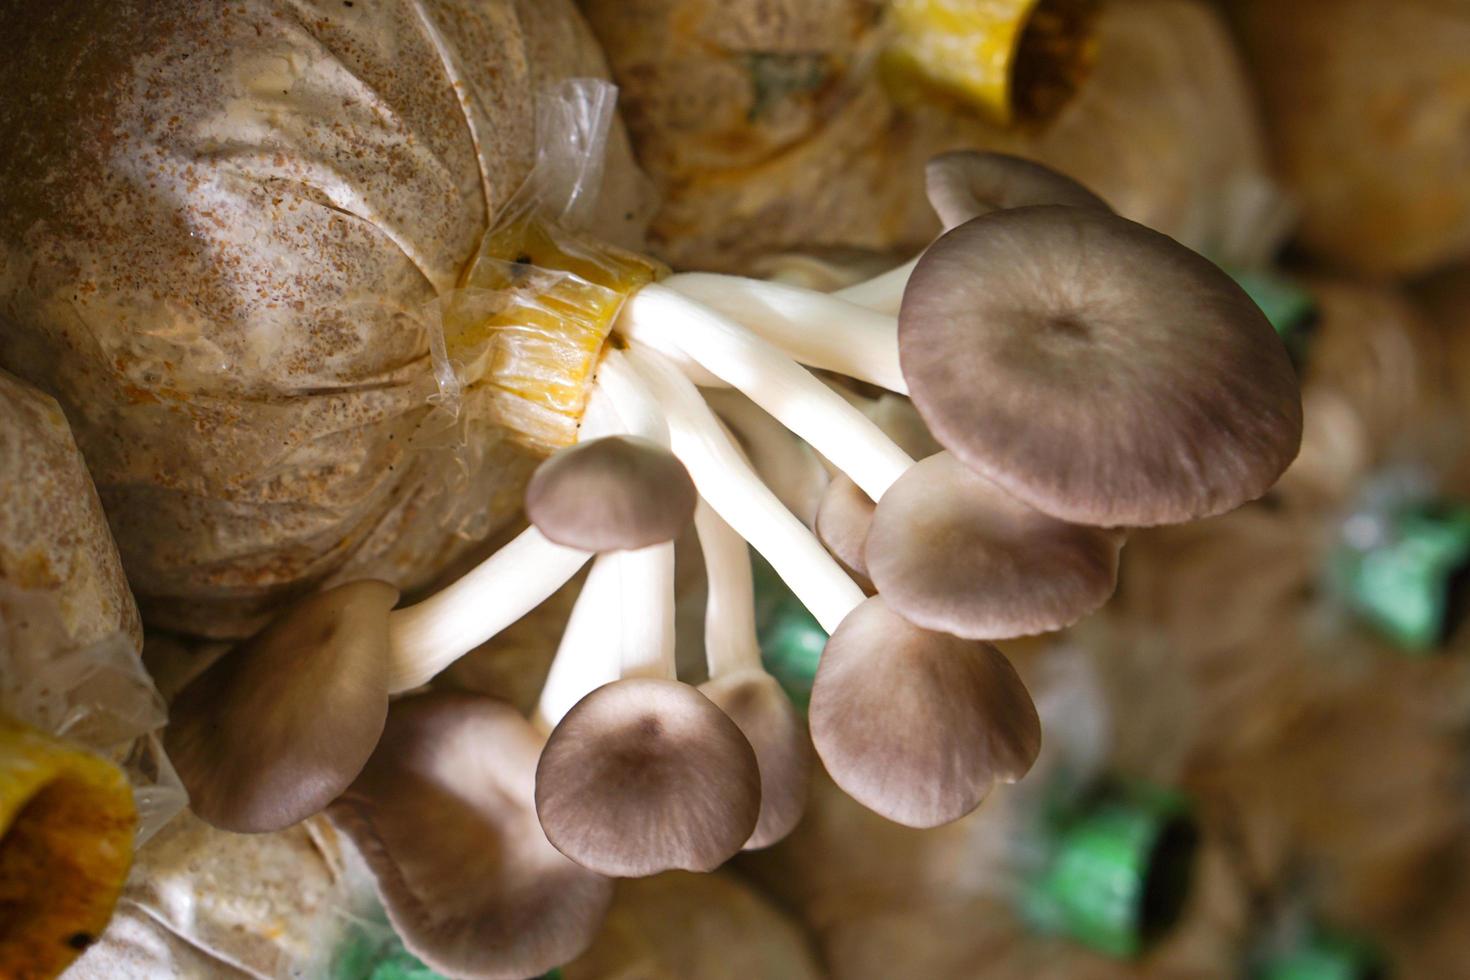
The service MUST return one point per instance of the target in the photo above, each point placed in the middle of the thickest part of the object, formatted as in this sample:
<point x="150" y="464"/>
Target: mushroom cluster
<point x="1081" y="373"/>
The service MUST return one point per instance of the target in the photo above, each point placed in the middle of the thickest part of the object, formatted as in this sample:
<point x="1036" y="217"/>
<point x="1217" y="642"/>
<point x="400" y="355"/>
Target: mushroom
<point x="1132" y="382"/>
<point x="667" y="334"/>
<point x="443" y="816"/>
<point x="963" y="184"/>
<point x="277" y="728"/>
<point x="643" y="774"/>
<point x="950" y="551"/>
<point x="646" y="775"/>
<point x="918" y="725"/>
<point x="1094" y="373"/>
<point x="740" y="685"/>
<point x="610" y="494"/>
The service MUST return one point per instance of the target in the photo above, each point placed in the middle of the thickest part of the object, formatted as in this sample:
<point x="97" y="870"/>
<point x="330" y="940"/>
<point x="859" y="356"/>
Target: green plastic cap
<point x="1323" y="957"/>
<point x="1119" y="871"/>
<point x="1408" y="577"/>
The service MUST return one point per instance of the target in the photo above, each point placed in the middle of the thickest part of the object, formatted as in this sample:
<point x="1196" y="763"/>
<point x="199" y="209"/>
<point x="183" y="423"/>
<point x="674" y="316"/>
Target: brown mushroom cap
<point x="915" y="725"/>
<point x="1095" y="369"/>
<point x="950" y="551"/>
<point x="756" y="703"/>
<point x="645" y="775"/>
<point x="964" y="184"/>
<point x="275" y="729"/>
<point x="611" y="494"/>
<point x="443" y="815"/>
<point x="843" y="518"/>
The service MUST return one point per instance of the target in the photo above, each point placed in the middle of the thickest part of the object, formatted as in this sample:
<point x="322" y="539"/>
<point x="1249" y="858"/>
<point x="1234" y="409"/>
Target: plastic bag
<point x="225" y="296"/>
<point x="268" y="906"/>
<point x="69" y="632"/>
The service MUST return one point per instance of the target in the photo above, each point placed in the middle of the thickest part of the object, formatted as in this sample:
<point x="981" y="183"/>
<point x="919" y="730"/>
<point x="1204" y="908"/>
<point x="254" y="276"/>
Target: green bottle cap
<point x="1119" y="871"/>
<point x="1290" y="308"/>
<point x="1323" y="957"/>
<point x="791" y="638"/>
<point x="1407" y="573"/>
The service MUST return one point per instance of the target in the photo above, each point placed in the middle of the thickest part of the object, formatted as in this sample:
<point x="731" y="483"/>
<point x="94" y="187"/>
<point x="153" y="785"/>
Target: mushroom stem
<point x="883" y="293"/>
<point x="730" y="643"/>
<point x="816" y="328"/>
<point x="737" y="494"/>
<point x="427" y="637"/>
<point x="646" y="645"/>
<point x="788" y="466"/>
<point x="668" y="321"/>
<point x="581" y="664"/>
<point x="430" y="635"/>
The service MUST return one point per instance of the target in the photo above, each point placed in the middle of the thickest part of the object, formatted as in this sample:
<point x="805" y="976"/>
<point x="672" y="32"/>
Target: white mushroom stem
<point x="737" y="494"/>
<point x="646" y="642"/>
<point x="582" y="664"/>
<point x="789" y="467"/>
<point x="730" y="641"/>
<point x="430" y="635"/>
<point x="668" y="321"/>
<point x="882" y="293"/>
<point x="815" y="328"/>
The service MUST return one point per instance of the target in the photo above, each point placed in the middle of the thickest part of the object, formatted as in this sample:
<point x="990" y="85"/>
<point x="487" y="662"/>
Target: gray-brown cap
<point x="646" y="775"/>
<point x="1097" y="370"/>
<point x="444" y="817"/>
<point x="964" y="184"/>
<point x="275" y="729"/>
<point x="763" y="711"/>
<point x="611" y="494"/>
<point x="950" y="551"/>
<point x="918" y="725"/>
<point x="843" y="519"/>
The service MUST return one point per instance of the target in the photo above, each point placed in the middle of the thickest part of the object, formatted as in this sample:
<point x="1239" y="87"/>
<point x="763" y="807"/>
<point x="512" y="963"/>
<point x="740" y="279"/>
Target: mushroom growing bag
<point x="771" y="126"/>
<point x="217" y="232"/>
<point x="82" y="775"/>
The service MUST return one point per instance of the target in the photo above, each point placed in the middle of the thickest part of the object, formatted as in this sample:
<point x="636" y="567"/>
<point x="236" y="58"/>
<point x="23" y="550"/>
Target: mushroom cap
<point x="964" y="184"/>
<point x="1124" y="379"/>
<point x="756" y="703"/>
<point x="443" y="815"/>
<point x="646" y="775"/>
<point x="843" y="519"/>
<point x="950" y="551"/>
<point x="916" y="725"/>
<point x="275" y="729"/>
<point x="618" y="493"/>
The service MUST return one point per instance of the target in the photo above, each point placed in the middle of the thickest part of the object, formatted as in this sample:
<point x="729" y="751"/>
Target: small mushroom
<point x="275" y="729"/>
<point x="617" y="493"/>
<point x="964" y="184"/>
<point x="843" y="519"/>
<point x="443" y="816"/>
<point x="645" y="775"/>
<point x="950" y="551"/>
<point x="918" y="725"/>
<point x="1130" y="382"/>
